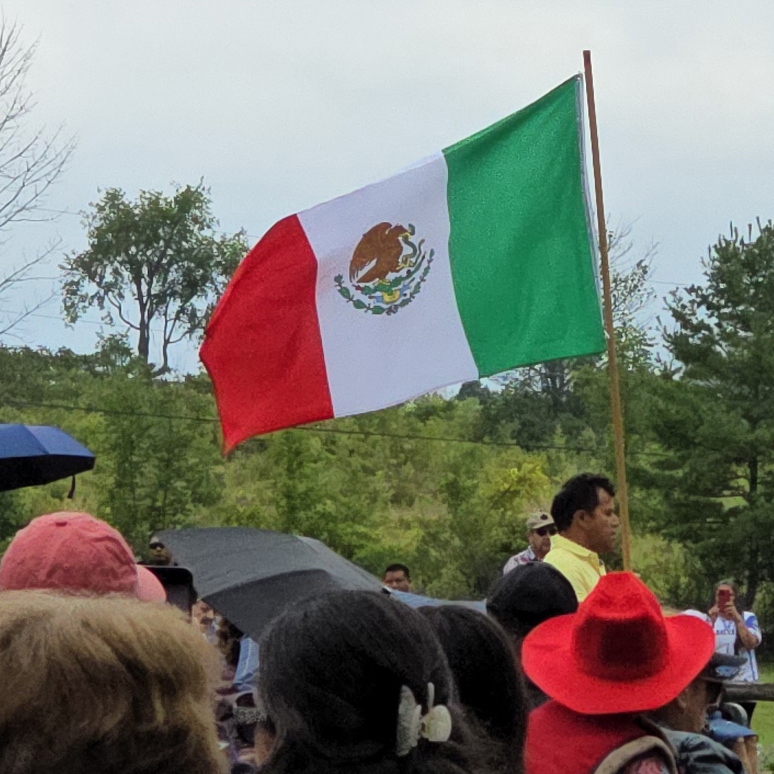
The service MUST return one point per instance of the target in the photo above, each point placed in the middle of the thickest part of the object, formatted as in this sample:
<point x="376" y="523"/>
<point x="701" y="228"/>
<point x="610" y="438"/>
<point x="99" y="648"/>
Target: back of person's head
<point x="102" y="684"/>
<point x="69" y="551"/>
<point x="488" y="681"/>
<point x="338" y="677"/>
<point x="528" y="595"/>
<point x="580" y="493"/>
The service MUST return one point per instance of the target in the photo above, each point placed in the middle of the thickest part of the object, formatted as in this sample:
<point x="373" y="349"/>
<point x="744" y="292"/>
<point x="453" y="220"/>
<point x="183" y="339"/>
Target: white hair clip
<point x="435" y="725"/>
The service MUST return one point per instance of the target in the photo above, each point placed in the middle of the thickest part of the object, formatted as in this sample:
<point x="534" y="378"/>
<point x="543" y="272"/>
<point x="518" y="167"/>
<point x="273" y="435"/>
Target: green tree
<point x="486" y="497"/>
<point x="717" y="409"/>
<point x="156" y="442"/>
<point x="157" y="260"/>
<point x="12" y="516"/>
<point x="155" y="470"/>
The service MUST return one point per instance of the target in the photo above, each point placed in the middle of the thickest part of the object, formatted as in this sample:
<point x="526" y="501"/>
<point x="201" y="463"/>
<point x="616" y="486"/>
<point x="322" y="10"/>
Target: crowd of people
<point x="569" y="669"/>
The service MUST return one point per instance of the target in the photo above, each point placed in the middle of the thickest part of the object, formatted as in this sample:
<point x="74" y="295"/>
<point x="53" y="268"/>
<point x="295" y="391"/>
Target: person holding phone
<point x="736" y="633"/>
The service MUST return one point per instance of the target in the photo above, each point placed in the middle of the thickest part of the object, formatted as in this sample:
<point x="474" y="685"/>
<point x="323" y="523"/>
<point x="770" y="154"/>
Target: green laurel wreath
<point x="358" y="303"/>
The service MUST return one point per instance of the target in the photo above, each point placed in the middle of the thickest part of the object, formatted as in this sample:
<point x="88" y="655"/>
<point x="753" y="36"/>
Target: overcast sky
<point x="280" y="105"/>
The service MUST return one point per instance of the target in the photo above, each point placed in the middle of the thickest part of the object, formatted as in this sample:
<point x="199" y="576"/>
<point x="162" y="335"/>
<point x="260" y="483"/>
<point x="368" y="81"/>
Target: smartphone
<point x="724" y="597"/>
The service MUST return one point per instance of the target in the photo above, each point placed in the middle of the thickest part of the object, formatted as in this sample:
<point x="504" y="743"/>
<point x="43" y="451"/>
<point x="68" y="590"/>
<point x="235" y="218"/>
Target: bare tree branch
<point x="31" y="161"/>
<point x="117" y="306"/>
<point x="23" y="314"/>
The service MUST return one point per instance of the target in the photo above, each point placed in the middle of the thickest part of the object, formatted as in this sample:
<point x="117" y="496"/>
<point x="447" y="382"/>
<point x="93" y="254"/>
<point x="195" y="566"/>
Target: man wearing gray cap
<point x="540" y="527"/>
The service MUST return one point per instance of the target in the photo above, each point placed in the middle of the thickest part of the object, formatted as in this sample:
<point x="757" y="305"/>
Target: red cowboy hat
<point x="617" y="653"/>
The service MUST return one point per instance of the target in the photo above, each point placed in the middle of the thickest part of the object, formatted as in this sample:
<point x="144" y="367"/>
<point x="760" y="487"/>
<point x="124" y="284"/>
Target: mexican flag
<point x="475" y="260"/>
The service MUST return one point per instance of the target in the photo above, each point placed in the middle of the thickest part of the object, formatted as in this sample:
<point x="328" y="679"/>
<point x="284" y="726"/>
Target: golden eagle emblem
<point x="387" y="269"/>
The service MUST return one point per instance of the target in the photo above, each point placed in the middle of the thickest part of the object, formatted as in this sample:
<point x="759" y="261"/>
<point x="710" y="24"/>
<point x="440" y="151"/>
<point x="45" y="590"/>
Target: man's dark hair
<point x="580" y="493"/>
<point x="397" y="568"/>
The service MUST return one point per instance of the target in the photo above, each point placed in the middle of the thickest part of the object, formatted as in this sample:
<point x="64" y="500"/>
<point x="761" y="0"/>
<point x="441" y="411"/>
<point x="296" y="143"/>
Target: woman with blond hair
<point x="103" y="684"/>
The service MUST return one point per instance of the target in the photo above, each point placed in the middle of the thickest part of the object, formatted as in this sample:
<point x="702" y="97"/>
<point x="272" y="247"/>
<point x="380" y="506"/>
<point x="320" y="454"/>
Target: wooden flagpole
<point x="612" y="359"/>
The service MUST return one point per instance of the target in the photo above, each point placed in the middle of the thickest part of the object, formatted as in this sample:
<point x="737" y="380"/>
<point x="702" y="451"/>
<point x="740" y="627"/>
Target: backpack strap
<point x="643" y="745"/>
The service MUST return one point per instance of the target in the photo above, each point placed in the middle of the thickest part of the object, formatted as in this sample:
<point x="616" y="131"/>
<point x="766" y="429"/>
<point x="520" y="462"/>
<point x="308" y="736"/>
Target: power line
<point x="110" y="412"/>
<point x="153" y="328"/>
<point x="81" y="214"/>
<point x="59" y="212"/>
<point x="446" y="439"/>
<point x="667" y="282"/>
<point x="330" y="430"/>
<point x="50" y="317"/>
<point x="257" y="237"/>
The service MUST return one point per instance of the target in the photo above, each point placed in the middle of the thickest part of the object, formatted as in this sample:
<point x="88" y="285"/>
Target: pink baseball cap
<point x="70" y="551"/>
<point x="149" y="588"/>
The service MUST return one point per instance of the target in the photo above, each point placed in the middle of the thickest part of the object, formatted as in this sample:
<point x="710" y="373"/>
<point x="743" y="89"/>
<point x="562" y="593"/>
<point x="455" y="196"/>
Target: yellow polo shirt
<point x="579" y="565"/>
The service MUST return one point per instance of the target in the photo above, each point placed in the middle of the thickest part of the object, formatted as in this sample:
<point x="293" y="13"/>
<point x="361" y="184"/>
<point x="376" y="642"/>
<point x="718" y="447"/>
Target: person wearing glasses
<point x="158" y="553"/>
<point x="684" y="722"/>
<point x="540" y="528"/>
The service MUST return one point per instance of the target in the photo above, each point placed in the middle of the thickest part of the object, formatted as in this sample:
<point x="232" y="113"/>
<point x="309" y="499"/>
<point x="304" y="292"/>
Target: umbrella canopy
<point x="36" y="454"/>
<point x="418" y="600"/>
<point x="251" y="575"/>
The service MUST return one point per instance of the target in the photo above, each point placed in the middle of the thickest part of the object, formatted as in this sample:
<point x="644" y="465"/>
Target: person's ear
<point x="580" y="518"/>
<point x="682" y="698"/>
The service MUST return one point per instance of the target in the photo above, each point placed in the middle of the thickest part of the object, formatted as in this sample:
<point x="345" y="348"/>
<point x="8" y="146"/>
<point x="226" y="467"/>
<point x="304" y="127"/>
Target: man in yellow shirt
<point x="584" y="514"/>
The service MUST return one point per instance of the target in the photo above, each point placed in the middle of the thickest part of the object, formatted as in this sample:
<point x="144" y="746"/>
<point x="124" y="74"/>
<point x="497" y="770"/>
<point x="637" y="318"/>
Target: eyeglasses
<point x="156" y="545"/>
<point x="543" y="531"/>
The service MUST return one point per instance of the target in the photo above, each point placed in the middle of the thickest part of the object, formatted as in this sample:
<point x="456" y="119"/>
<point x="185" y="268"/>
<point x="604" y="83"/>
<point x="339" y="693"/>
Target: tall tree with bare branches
<point x="31" y="161"/>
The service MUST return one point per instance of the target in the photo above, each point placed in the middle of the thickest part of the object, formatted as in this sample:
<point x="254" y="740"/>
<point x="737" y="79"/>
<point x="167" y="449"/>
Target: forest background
<point x="442" y="483"/>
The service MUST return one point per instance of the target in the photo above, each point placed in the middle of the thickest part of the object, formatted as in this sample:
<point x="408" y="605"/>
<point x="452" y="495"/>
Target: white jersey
<point x="726" y="642"/>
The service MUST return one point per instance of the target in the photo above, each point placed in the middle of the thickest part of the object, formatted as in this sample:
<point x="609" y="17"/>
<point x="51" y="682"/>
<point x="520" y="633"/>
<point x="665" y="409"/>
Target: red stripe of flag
<point x="263" y="348"/>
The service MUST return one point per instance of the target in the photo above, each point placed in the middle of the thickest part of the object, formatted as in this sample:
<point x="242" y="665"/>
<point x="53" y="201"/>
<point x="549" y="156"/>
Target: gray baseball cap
<point x="538" y="520"/>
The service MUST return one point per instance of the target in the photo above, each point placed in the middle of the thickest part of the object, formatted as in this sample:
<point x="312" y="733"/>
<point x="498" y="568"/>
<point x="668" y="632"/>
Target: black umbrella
<point x="36" y="454"/>
<point x="251" y="575"/>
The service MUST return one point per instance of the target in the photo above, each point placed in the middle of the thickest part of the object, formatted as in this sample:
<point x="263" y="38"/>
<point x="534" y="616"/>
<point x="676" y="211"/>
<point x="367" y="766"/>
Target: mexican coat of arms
<point x="387" y="269"/>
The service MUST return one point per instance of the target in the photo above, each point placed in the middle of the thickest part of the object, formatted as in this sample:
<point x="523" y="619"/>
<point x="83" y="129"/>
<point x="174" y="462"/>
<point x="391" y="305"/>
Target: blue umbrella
<point x="31" y="455"/>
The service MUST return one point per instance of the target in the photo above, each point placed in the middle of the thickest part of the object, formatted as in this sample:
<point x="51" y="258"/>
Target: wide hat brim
<point x="550" y="662"/>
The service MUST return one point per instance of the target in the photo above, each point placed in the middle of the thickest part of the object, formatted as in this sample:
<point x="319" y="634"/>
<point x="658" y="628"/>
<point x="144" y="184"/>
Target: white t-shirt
<point x="725" y="642"/>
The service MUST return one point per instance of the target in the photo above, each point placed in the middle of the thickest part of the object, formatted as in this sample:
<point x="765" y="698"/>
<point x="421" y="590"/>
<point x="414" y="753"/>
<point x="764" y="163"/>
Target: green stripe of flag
<point x="520" y="247"/>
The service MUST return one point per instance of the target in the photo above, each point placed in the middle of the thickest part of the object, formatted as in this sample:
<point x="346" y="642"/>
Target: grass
<point x="763" y="719"/>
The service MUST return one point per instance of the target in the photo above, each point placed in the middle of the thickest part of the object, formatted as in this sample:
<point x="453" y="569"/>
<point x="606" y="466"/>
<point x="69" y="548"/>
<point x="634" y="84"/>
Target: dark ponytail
<point x="489" y="684"/>
<point x="331" y="674"/>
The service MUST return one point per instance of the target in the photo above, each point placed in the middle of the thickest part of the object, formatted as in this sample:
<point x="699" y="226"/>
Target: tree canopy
<point x="718" y="408"/>
<point x="156" y="260"/>
<point x="442" y="483"/>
